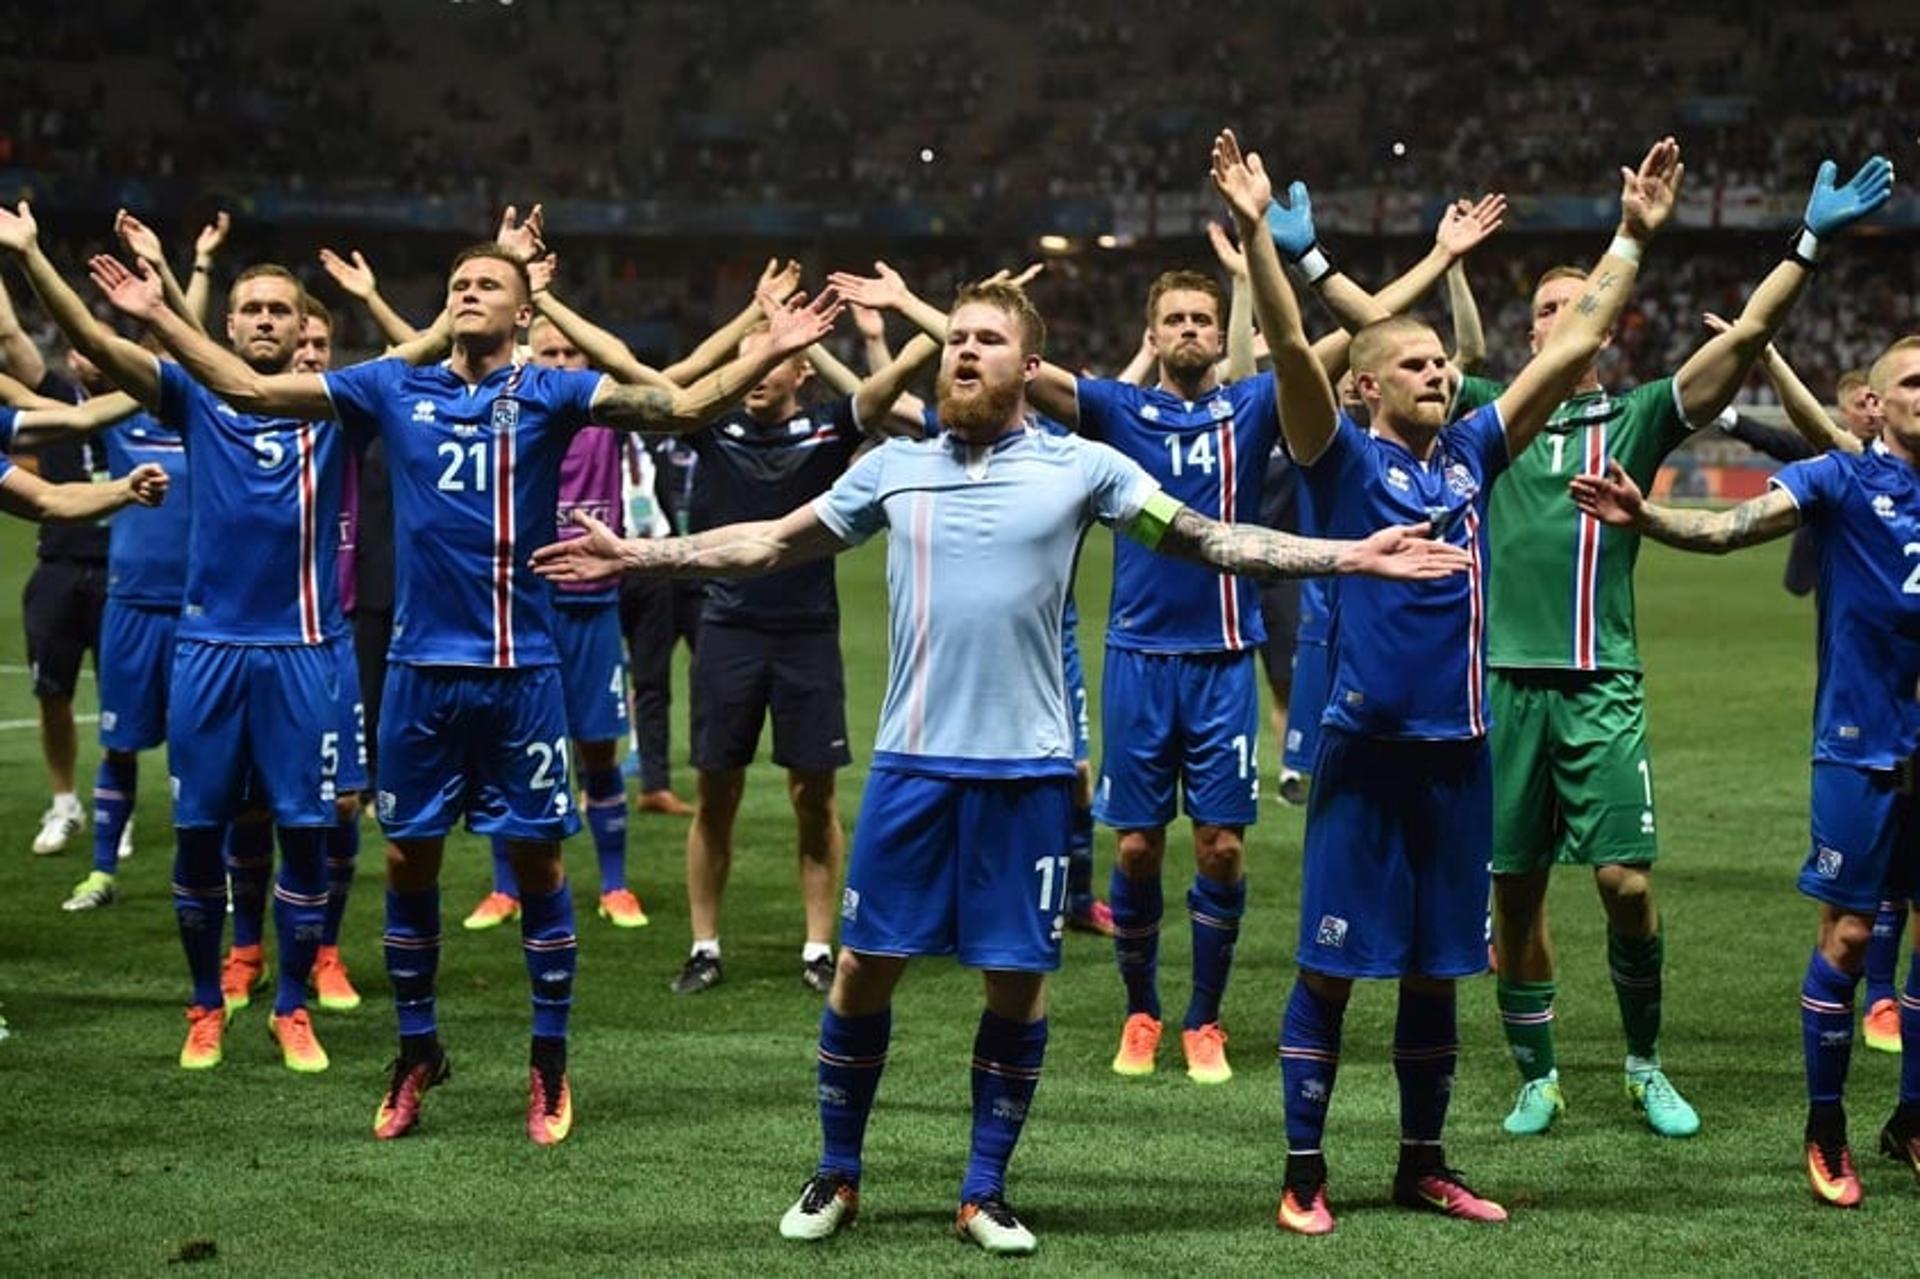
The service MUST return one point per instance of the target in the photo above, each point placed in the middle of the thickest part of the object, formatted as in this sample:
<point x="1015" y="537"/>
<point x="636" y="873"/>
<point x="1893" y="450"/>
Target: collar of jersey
<point x="958" y="447"/>
<point x="446" y="367"/>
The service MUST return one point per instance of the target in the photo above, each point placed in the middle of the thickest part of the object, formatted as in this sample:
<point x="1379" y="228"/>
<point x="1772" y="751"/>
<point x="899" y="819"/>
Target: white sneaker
<point x="991" y="1224"/>
<point x="828" y="1203"/>
<point x="60" y="823"/>
<point x="126" y="842"/>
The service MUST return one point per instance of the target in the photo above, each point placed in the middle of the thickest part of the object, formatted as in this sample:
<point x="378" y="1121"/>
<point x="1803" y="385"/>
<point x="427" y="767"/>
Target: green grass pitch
<point x="696" y="1119"/>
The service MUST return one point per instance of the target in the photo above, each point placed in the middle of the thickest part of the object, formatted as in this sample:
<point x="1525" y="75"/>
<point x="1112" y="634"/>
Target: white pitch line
<point x="9" y="724"/>
<point x="13" y="668"/>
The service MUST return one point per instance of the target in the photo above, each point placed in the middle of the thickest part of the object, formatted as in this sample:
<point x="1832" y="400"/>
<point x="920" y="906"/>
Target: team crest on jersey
<point x="423" y="410"/>
<point x="1883" y="507"/>
<point x="1397" y="478"/>
<point x="800" y="426"/>
<point x="1332" y="932"/>
<point x="734" y="430"/>
<point x="849" y="904"/>
<point x="1460" y="480"/>
<point x="506" y="414"/>
<point x="1220" y="408"/>
<point x="1826" y="863"/>
<point x="385" y="803"/>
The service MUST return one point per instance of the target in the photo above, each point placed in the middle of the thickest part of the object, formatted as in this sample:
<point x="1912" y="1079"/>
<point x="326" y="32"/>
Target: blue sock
<point x="1426" y="1046"/>
<point x="1826" y="1029"/>
<point x="546" y="937"/>
<point x="1309" y="1062"/>
<point x="1910" y="1038"/>
<point x="607" y="819"/>
<point x="1080" y="860"/>
<point x="412" y="944"/>
<point x="504" y="880"/>
<point x="249" y="856"/>
<point x="200" y="906"/>
<point x="114" y="787"/>
<point x="853" y="1052"/>
<point x="1006" y="1069"/>
<point x="1883" y="947"/>
<point x="1215" y="910"/>
<point x="343" y="849"/>
<point x="299" y="911"/>
<point x="1137" y="906"/>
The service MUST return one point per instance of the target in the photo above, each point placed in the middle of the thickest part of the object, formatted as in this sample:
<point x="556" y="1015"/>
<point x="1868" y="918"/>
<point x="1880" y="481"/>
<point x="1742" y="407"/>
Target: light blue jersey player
<point x="1865" y="511"/>
<point x="253" y="698"/>
<point x="958" y="849"/>
<point x="473" y="723"/>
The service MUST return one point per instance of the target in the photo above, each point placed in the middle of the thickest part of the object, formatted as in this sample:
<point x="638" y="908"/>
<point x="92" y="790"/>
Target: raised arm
<point x="777" y="283"/>
<point x="735" y="550"/>
<point x="357" y="280"/>
<point x="790" y="329"/>
<point x="1646" y="202"/>
<point x="144" y="245"/>
<point x="1709" y="379"/>
<point x="125" y="364"/>
<point x="1240" y="362"/>
<point x="1469" y="338"/>
<point x="872" y="327"/>
<point x="206" y="247"/>
<point x="1815" y="426"/>
<point x="25" y="494"/>
<point x="1267" y="555"/>
<point x="604" y="350"/>
<point x="1615" y="499"/>
<point x="301" y="395"/>
<point x="874" y="400"/>
<point x="36" y="428"/>
<point x="1305" y="396"/>
<point x="21" y="357"/>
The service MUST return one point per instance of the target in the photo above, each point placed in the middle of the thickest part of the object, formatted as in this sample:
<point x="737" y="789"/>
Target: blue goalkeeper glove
<point x="1291" y="226"/>
<point x="1832" y="209"/>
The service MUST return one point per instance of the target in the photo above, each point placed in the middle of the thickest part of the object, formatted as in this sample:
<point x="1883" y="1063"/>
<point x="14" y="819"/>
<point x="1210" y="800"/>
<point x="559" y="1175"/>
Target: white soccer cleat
<point x="60" y="823"/>
<point x="828" y="1204"/>
<point x="991" y="1224"/>
<point x="126" y="842"/>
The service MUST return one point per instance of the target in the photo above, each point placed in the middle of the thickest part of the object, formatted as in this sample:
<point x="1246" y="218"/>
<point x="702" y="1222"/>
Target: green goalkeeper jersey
<point x="1560" y="585"/>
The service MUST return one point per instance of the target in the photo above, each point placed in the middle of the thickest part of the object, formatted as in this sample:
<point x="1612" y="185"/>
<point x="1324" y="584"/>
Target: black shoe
<point x="700" y="972"/>
<point x="1900" y="1140"/>
<point x="817" y="974"/>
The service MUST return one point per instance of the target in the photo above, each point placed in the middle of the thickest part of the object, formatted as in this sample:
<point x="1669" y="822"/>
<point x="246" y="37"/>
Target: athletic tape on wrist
<point x="1623" y="247"/>
<point x="1312" y="266"/>
<point x="1804" y="247"/>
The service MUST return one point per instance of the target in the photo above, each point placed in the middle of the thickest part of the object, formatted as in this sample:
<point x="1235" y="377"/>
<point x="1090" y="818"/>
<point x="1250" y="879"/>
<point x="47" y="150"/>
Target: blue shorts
<point x="1399" y="835"/>
<point x="593" y="670"/>
<point x="136" y="667"/>
<point x="351" y="713"/>
<point x="971" y="867"/>
<point x="487" y="744"/>
<point x="1178" y="721"/>
<point x="1312" y="672"/>
<point x="1076" y="695"/>
<point x="1866" y="837"/>
<point x="254" y="721"/>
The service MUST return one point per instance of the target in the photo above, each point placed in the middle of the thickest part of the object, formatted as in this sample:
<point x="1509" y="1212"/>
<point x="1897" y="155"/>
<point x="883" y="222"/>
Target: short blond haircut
<point x="1877" y="373"/>
<point x="1375" y="344"/>
<point x="1012" y="301"/>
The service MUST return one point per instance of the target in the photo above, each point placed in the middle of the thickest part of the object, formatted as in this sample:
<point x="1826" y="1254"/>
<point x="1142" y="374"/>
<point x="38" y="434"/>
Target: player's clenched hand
<point x="1467" y="222"/>
<point x="1612" y="498"/>
<point x="137" y="236"/>
<point x="798" y="324"/>
<point x="1241" y="179"/>
<point x="139" y="296"/>
<point x="18" y="230"/>
<point x="1647" y="194"/>
<point x="883" y="289"/>
<point x="356" y="277"/>
<point x="1405" y="551"/>
<point x="147" y="484"/>
<point x="594" y="555"/>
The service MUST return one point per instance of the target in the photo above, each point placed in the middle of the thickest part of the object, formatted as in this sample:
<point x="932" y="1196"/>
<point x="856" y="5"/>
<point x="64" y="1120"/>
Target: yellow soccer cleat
<point x="1139" y="1040"/>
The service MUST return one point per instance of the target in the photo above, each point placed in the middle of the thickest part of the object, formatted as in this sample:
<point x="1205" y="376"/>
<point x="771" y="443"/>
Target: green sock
<point x="1526" y="1014"/>
<point x="1634" y="963"/>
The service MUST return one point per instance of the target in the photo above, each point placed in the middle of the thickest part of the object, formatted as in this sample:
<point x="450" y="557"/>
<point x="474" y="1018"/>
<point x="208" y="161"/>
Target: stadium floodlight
<point x="1056" y="244"/>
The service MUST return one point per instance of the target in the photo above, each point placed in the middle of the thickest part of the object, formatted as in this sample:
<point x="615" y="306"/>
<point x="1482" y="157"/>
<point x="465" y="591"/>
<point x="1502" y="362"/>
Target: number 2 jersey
<point x="1210" y="455"/>
<point x="475" y="472"/>
<point x="1864" y="509"/>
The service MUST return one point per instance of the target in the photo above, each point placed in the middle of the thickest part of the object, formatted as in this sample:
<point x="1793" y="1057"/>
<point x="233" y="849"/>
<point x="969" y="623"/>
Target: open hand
<point x="1831" y="208"/>
<point x="524" y="240"/>
<point x="778" y="281"/>
<point x="137" y="236"/>
<point x="1407" y="553"/>
<point x="1230" y="255"/>
<point x="18" y="230"/>
<point x="356" y="277"/>
<point x="212" y="236"/>
<point x="1647" y="194"/>
<point x="1468" y="222"/>
<point x="139" y="296"/>
<point x="797" y="324"/>
<point x="884" y="289"/>
<point x="1241" y="179"/>
<point x="589" y="557"/>
<point x="1612" y="498"/>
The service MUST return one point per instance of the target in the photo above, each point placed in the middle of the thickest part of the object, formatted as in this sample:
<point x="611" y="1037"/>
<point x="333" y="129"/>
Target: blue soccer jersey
<point x="263" y="520"/>
<point x="1409" y="658"/>
<point x="1211" y="455"/>
<point x="147" y="545"/>
<point x="476" y="478"/>
<point x="1865" y="511"/>
<point x="979" y="557"/>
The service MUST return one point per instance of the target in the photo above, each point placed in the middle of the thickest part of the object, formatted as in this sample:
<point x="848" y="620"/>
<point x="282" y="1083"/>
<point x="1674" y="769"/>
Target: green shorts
<point x="1572" y="781"/>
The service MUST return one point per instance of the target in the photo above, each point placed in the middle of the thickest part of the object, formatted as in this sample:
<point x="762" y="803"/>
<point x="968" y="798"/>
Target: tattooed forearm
<point x="1716" y="532"/>
<point x="739" y="550"/>
<point x="1590" y="300"/>
<point x="1249" y="550"/>
<point x="636" y="408"/>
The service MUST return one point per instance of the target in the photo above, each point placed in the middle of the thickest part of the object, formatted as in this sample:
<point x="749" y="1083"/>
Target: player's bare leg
<point x="1136" y="900"/>
<point x="709" y="862"/>
<point x="60" y="747"/>
<point x="1523" y="956"/>
<point x="1215" y="904"/>
<point x="822" y="850"/>
<point x="412" y="944"/>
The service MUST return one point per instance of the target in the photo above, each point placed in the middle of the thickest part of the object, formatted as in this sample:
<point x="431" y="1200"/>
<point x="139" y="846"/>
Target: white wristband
<point x="1313" y="265"/>
<point x="1623" y="247"/>
<point x="1805" y="247"/>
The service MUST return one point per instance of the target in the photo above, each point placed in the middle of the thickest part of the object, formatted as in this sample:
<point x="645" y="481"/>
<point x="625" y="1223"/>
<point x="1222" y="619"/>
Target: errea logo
<point x="1883" y="507"/>
<point x="423" y="410"/>
<point x="1397" y="478"/>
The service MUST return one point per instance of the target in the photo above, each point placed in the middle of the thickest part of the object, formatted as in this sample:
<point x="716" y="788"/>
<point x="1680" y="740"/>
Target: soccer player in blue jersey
<point x="252" y="673"/>
<point x="955" y="852"/>
<point x="1399" y="817"/>
<point x="473" y="723"/>
<point x="1865" y="508"/>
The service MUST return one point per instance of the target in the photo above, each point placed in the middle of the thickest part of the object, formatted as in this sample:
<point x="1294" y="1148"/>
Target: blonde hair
<point x="1012" y="301"/>
<point x="1374" y="344"/>
<point x="1877" y="374"/>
